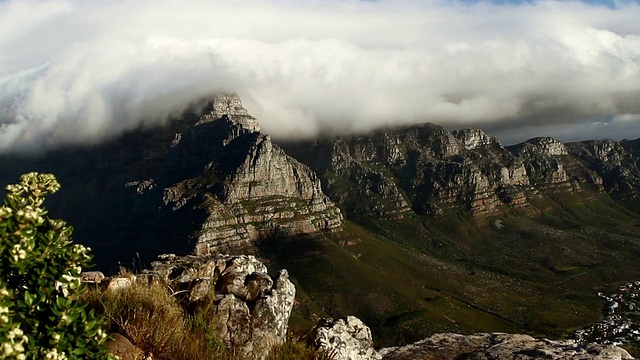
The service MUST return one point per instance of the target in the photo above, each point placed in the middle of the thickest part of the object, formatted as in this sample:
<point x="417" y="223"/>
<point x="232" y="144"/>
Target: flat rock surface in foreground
<point x="500" y="346"/>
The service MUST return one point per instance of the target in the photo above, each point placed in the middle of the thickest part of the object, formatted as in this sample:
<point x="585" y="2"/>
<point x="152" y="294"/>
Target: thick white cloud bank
<point x="79" y="71"/>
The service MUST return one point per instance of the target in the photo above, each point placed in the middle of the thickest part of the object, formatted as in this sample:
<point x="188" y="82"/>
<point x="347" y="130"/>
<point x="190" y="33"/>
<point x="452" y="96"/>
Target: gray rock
<point x="116" y="283"/>
<point x="251" y="309"/>
<point x="270" y="316"/>
<point x="260" y="192"/>
<point x="345" y="339"/>
<point x="233" y="321"/>
<point x="500" y="346"/>
<point x="257" y="286"/>
<point x="473" y="139"/>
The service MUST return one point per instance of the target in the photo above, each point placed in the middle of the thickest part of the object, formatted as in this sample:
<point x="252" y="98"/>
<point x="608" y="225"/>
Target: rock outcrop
<point x="545" y="168"/>
<point x="613" y="166"/>
<point x="344" y="339"/>
<point x="500" y="346"/>
<point x="420" y="168"/>
<point x="252" y="309"/>
<point x="350" y="339"/>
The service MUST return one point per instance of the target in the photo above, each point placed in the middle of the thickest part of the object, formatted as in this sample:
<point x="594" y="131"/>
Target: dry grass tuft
<point x="294" y="349"/>
<point x="155" y="322"/>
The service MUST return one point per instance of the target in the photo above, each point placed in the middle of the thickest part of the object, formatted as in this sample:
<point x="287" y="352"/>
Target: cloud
<point x="80" y="71"/>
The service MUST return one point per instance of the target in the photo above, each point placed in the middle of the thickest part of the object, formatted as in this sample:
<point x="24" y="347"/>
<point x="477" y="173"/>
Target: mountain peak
<point x="229" y="107"/>
<point x="473" y="139"/>
<point x="228" y="104"/>
<point x="548" y="145"/>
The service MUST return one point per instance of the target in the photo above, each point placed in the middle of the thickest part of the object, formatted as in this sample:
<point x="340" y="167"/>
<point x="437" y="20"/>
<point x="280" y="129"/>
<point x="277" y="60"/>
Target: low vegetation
<point x="41" y="316"/>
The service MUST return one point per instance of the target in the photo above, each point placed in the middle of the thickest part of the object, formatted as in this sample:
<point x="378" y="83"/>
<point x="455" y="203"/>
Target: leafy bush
<point x="40" y="315"/>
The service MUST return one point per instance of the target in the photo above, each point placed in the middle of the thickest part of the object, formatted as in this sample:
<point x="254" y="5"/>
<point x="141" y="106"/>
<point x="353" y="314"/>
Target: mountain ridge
<point x="415" y="230"/>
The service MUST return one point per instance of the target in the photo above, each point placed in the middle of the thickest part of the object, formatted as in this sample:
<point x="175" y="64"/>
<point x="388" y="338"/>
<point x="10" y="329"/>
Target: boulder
<point x="344" y="339"/>
<point x="116" y="283"/>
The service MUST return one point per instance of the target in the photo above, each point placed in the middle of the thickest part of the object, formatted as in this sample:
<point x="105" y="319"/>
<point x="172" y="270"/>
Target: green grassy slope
<point x="534" y="270"/>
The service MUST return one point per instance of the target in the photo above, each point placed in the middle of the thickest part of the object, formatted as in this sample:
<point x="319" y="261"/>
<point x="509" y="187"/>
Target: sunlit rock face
<point x="544" y="146"/>
<point x="344" y="339"/>
<point x="426" y="170"/>
<point x="250" y="188"/>
<point x="472" y="139"/>
<point x="545" y="169"/>
<point x="421" y="168"/>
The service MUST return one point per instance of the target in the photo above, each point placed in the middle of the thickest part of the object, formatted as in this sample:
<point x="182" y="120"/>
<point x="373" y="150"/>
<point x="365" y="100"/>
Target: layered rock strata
<point x="425" y="169"/>
<point x="614" y="167"/>
<point x="208" y="180"/>
<point x="543" y="163"/>
<point x="251" y="189"/>
<point x="420" y="168"/>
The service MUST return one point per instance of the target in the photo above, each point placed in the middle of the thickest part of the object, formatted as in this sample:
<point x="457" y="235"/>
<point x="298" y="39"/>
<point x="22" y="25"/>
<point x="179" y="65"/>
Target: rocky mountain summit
<point x="209" y="181"/>
<point x="249" y="188"/>
<point x="426" y="169"/>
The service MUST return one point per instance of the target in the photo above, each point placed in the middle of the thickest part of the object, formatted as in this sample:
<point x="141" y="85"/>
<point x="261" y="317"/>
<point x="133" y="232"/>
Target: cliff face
<point x="249" y="188"/>
<point x="426" y="169"/>
<point x="209" y="181"/>
<point x="614" y="167"/>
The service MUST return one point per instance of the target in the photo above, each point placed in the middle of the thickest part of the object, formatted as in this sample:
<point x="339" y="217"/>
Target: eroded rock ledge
<point x="252" y="308"/>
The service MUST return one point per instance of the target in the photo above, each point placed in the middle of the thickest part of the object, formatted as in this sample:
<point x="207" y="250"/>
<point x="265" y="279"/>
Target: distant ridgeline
<point x="426" y="170"/>
<point x="414" y="229"/>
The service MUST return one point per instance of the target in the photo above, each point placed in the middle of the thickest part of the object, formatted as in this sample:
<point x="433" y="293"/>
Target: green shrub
<point x="40" y="315"/>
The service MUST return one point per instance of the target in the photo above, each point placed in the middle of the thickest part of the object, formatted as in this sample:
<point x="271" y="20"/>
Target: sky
<point x="81" y="71"/>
